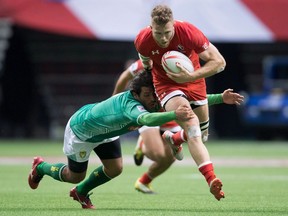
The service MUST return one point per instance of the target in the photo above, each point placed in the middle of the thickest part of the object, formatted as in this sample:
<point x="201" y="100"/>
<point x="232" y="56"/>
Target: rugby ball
<point x="170" y="58"/>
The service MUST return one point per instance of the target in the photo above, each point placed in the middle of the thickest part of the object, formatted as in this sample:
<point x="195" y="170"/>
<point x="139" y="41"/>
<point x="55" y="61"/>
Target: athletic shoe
<point x="34" y="178"/>
<point x="83" y="200"/>
<point x="138" y="154"/>
<point x="216" y="189"/>
<point x="144" y="188"/>
<point x="177" y="150"/>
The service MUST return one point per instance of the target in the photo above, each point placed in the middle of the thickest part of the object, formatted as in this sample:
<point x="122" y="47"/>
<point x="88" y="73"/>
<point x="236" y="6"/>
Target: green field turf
<point x="250" y="190"/>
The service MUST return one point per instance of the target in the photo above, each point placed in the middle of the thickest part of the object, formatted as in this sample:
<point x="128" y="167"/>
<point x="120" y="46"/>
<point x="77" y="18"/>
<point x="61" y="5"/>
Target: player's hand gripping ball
<point x="170" y="58"/>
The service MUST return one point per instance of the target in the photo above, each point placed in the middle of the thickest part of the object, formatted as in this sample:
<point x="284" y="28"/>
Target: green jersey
<point x="112" y="117"/>
<point x="118" y="115"/>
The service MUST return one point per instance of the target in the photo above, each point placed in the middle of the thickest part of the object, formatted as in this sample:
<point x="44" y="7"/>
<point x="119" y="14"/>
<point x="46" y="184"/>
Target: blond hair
<point x="161" y="14"/>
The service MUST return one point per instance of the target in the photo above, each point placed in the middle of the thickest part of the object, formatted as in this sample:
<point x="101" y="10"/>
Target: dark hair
<point x="161" y="14"/>
<point x="144" y="79"/>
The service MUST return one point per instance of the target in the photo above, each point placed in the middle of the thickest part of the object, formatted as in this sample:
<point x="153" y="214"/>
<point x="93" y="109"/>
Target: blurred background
<point x="57" y="55"/>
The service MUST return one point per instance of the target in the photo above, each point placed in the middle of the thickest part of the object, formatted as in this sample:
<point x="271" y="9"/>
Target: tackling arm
<point x="182" y="113"/>
<point x="227" y="97"/>
<point x="157" y="118"/>
<point x="214" y="99"/>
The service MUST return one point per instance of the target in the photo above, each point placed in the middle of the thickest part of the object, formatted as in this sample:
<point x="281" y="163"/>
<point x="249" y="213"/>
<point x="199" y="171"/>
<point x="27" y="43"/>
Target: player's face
<point x="163" y="34"/>
<point x="147" y="98"/>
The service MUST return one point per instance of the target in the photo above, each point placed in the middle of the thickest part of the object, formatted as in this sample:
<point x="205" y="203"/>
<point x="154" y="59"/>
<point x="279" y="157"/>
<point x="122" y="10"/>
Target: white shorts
<point x="177" y="93"/>
<point x="79" y="150"/>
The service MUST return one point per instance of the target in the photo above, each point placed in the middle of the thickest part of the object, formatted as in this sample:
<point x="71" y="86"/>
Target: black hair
<point x="143" y="79"/>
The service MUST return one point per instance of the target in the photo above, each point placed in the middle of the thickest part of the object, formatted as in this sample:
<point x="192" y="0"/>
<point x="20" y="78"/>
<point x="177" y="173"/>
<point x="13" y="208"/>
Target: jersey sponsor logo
<point x="141" y="108"/>
<point x="155" y="52"/>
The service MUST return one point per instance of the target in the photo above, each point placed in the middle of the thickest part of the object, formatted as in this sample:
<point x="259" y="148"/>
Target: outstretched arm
<point x="230" y="97"/>
<point x="182" y="113"/>
<point x="227" y="97"/>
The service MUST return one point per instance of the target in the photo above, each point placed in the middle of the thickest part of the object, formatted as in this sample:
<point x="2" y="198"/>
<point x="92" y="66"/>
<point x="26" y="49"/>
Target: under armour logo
<point x="155" y="52"/>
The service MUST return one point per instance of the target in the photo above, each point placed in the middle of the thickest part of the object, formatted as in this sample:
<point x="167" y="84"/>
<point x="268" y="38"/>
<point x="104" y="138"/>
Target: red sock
<point x="145" y="179"/>
<point x="179" y="137"/>
<point x="208" y="171"/>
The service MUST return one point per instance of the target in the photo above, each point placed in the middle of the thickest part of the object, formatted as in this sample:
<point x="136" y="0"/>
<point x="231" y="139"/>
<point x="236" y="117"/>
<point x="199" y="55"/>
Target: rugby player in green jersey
<point x="97" y="127"/>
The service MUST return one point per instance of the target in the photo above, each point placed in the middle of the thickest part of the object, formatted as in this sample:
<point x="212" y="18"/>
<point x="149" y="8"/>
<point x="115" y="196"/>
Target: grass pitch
<point x="254" y="184"/>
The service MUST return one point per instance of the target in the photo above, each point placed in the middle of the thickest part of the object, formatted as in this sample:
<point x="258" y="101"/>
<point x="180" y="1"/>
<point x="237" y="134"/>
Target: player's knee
<point x="193" y="131"/>
<point x="114" y="171"/>
<point x="157" y="155"/>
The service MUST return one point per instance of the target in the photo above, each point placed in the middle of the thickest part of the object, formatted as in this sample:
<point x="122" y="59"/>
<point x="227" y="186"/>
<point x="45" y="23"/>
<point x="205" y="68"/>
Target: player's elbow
<point x="221" y="65"/>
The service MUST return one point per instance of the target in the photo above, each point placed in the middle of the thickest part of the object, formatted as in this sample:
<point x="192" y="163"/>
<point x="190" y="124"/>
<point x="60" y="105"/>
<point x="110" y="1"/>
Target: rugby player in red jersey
<point x="166" y="34"/>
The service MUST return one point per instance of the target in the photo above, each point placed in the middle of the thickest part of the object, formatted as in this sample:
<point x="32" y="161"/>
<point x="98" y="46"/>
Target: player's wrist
<point x="173" y="114"/>
<point x="191" y="77"/>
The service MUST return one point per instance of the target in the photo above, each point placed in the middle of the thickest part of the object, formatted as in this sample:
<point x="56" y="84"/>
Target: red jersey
<point x="188" y="40"/>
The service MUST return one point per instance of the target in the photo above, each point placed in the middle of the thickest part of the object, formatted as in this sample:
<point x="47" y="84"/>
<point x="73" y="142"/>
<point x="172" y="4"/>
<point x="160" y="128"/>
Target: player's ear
<point x="135" y="95"/>
<point x="139" y="98"/>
